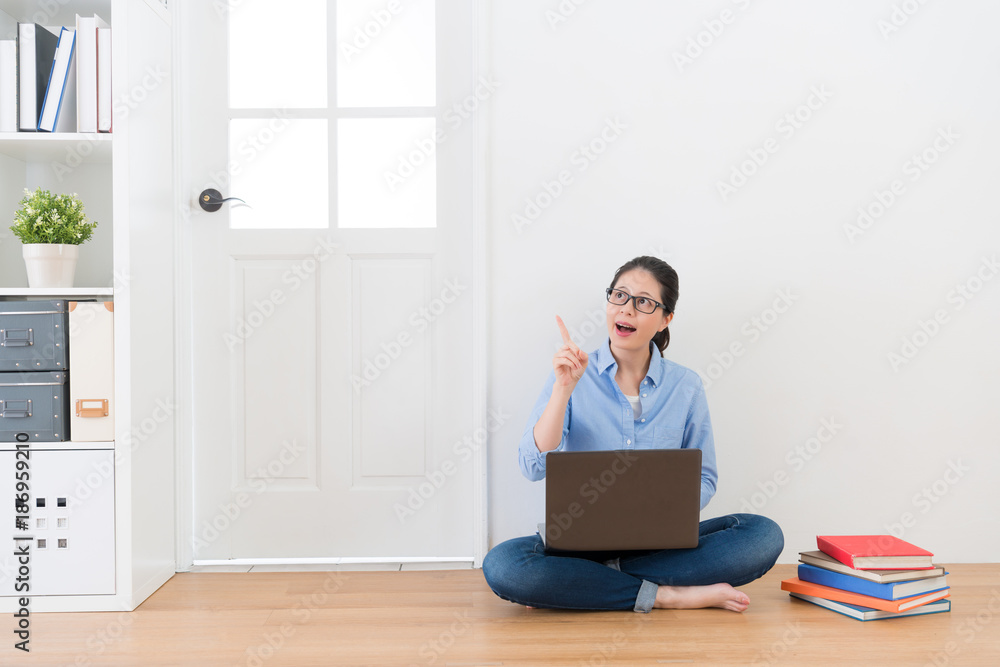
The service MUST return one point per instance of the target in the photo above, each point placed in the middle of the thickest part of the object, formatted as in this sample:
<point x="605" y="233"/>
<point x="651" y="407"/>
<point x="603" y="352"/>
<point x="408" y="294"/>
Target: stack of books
<point x="55" y="78"/>
<point x="870" y="577"/>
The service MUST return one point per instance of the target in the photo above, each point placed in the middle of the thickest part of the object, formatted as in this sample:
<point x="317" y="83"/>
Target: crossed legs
<point x="732" y="550"/>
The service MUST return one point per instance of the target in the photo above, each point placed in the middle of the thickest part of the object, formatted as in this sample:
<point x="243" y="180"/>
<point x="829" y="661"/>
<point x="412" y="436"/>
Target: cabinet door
<point x="92" y="372"/>
<point x="69" y="534"/>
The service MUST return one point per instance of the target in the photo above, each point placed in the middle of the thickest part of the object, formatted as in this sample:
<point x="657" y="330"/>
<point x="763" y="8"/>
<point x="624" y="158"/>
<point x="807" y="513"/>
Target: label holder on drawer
<point x="92" y="412"/>
<point x="15" y="408"/>
<point x="17" y="337"/>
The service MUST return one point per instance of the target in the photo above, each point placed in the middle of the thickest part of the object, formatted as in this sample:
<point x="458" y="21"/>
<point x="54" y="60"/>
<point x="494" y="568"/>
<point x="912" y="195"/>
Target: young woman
<point x="625" y="396"/>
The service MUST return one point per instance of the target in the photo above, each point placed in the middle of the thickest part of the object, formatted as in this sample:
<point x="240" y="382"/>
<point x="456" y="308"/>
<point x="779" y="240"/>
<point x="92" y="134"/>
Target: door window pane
<point x="278" y="166"/>
<point x="277" y="54"/>
<point x="386" y="172"/>
<point x="385" y="53"/>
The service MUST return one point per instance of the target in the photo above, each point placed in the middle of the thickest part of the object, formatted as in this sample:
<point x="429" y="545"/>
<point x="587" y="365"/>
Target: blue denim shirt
<point x="674" y="415"/>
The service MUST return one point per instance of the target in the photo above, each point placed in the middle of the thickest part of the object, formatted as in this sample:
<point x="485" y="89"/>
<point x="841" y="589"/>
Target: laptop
<point x="620" y="500"/>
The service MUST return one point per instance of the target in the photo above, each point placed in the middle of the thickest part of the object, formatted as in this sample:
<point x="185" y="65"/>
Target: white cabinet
<point x="69" y="544"/>
<point x="120" y="541"/>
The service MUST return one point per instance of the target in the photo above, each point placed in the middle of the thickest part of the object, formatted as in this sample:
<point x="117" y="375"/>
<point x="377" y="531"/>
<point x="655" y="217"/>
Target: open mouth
<point x="624" y="329"/>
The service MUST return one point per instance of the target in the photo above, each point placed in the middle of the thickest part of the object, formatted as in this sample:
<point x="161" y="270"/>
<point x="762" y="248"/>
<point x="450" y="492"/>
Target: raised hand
<point x="570" y="361"/>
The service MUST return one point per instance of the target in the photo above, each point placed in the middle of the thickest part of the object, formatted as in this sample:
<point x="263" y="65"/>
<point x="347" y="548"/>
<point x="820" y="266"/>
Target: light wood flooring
<point x="450" y="618"/>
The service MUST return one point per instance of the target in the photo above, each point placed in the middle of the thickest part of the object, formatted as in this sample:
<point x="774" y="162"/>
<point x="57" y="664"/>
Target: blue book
<point x="60" y="93"/>
<point x="892" y="591"/>
<point x="869" y="614"/>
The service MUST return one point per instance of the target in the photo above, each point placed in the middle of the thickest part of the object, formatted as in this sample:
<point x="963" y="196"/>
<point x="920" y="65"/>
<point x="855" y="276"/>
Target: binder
<point x="86" y="71"/>
<point x="8" y="85"/>
<point x="104" y="123"/>
<point x="36" y="50"/>
<point x="59" y="107"/>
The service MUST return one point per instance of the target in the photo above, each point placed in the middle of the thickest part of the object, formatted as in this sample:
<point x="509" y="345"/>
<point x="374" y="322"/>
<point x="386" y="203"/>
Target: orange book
<point x="796" y="585"/>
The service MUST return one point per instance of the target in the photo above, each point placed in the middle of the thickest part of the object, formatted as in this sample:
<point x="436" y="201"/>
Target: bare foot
<point x="697" y="597"/>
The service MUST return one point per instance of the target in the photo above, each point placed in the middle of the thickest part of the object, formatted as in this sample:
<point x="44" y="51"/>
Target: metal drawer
<point x="33" y="336"/>
<point x="34" y="407"/>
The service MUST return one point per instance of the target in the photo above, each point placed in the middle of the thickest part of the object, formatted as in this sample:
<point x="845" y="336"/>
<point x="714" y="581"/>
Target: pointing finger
<point x="562" y="330"/>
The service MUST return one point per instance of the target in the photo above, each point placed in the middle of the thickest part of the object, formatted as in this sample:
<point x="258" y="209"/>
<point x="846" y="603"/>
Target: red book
<point x="875" y="552"/>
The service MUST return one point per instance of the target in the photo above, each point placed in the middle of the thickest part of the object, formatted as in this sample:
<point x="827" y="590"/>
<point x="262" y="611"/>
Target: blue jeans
<point x="735" y="549"/>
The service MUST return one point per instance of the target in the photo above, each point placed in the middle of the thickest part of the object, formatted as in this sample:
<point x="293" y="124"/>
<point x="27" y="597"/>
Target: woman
<point x="625" y="396"/>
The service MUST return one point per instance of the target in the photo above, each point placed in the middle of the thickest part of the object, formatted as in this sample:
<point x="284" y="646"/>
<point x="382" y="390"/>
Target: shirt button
<point x="644" y="396"/>
<point x="628" y="442"/>
<point x="643" y="419"/>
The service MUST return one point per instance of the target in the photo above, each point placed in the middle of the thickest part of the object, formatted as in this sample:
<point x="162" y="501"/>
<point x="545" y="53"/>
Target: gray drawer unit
<point x="33" y="336"/>
<point x="34" y="407"/>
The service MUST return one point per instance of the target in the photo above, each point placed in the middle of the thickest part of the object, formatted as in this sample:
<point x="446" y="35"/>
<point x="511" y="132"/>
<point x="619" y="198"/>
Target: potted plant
<point x="51" y="227"/>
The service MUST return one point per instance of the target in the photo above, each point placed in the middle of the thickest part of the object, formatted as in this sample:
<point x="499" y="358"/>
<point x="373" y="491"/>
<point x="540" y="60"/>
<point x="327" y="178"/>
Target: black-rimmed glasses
<point x="642" y="304"/>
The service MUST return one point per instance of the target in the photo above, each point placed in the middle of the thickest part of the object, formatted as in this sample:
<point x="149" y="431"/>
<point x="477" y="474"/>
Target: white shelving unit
<point x="78" y="293"/>
<point x="125" y="180"/>
<point x="59" y="446"/>
<point x="31" y="146"/>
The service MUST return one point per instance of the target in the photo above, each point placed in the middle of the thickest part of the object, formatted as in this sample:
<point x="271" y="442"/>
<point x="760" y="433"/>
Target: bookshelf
<point x="63" y="446"/>
<point x="125" y="180"/>
<point x="24" y="147"/>
<point x="77" y="293"/>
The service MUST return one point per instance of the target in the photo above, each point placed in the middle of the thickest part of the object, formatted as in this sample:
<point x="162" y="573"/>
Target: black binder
<point x="35" y="54"/>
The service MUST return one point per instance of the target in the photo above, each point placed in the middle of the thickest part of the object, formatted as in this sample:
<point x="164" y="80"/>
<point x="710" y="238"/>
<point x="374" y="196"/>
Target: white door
<point x="331" y="320"/>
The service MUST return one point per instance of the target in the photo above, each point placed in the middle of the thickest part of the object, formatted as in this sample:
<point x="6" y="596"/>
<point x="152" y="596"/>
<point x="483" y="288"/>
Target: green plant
<point x="47" y="218"/>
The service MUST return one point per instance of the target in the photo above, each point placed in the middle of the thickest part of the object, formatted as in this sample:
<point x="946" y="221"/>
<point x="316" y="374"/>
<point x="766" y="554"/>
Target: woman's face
<point x="622" y="318"/>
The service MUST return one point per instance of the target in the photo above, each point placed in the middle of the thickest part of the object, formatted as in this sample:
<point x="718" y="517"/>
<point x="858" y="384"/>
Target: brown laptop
<point x="622" y="500"/>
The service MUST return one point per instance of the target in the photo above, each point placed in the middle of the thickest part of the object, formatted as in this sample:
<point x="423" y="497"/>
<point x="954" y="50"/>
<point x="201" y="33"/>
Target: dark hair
<point x="667" y="277"/>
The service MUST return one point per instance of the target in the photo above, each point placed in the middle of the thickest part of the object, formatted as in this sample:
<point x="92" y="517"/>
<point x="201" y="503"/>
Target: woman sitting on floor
<point x="642" y="390"/>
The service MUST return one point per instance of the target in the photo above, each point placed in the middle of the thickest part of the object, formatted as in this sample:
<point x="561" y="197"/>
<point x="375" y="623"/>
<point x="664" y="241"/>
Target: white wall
<point x="654" y="191"/>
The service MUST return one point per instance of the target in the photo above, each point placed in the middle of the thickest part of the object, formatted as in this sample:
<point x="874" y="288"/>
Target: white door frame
<point x="184" y="286"/>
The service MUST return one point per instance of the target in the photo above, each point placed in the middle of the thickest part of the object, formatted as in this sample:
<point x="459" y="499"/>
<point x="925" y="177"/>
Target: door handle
<point x="212" y="200"/>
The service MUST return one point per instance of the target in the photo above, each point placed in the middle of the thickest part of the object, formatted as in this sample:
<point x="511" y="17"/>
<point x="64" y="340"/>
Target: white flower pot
<point x="50" y="264"/>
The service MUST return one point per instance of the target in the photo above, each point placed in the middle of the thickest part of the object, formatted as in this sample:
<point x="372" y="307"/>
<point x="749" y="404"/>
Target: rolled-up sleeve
<point x="698" y="435"/>
<point x="532" y="461"/>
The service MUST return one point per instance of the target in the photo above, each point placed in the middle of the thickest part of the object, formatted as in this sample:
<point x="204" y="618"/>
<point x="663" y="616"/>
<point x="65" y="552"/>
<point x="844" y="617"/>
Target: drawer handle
<point x="92" y="412"/>
<point x="17" y="337"/>
<point x="15" y="409"/>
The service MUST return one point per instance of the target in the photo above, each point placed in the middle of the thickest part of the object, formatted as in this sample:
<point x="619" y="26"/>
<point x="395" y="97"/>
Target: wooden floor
<point x="451" y="618"/>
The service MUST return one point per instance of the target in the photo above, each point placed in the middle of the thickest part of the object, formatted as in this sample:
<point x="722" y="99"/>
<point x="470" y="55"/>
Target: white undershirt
<point x="636" y="405"/>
